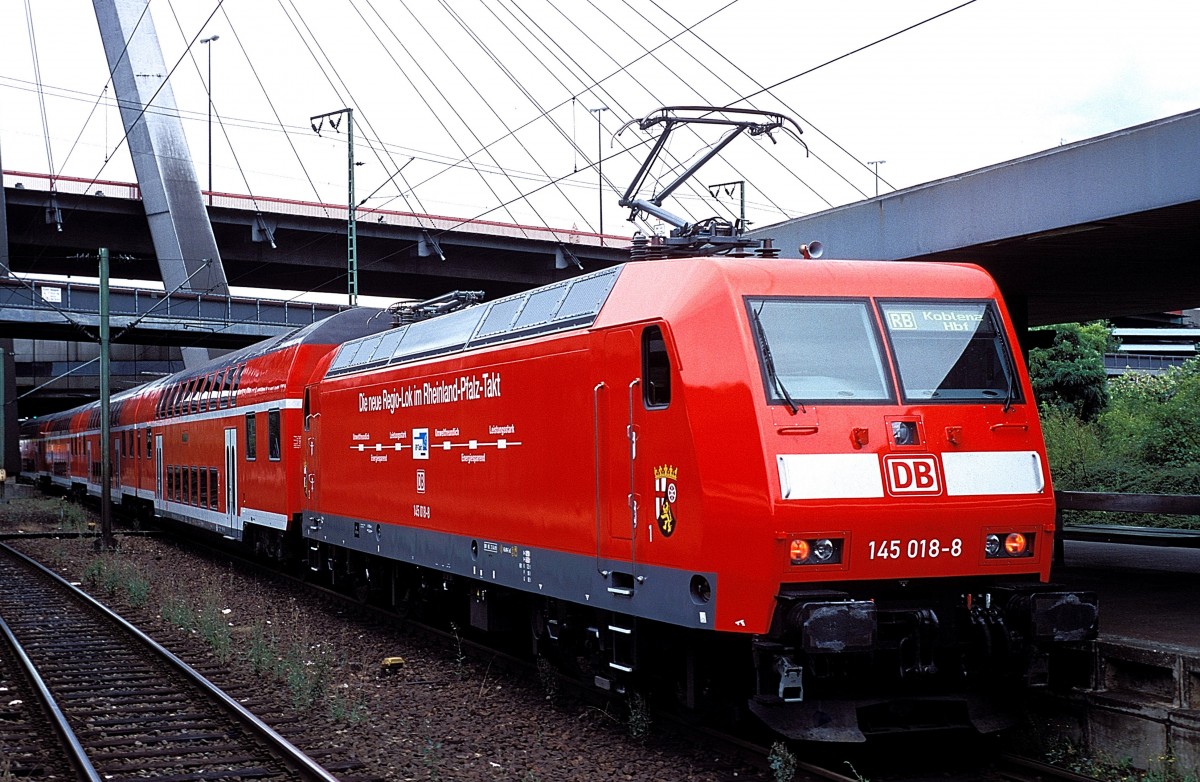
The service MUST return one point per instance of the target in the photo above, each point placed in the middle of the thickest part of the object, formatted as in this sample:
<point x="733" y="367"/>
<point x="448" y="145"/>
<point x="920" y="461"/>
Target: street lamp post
<point x="875" y="164"/>
<point x="207" y="41"/>
<point x="318" y="122"/>
<point x="600" y="167"/>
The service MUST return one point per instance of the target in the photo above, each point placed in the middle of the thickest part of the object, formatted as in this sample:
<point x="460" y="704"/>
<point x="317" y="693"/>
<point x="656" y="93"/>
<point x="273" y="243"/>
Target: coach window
<point x="203" y="503"/>
<point x="181" y="401"/>
<point x="273" y="445"/>
<point x="307" y="408"/>
<point x="212" y="487"/>
<point x="149" y="443"/>
<point x="656" y="369"/>
<point x="251" y="437"/>
<point x="223" y="389"/>
<point x="181" y="398"/>
<point x="206" y="394"/>
<point x="237" y="382"/>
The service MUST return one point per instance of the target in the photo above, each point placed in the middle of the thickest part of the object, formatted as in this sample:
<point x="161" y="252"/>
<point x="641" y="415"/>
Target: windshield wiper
<point x="772" y="375"/>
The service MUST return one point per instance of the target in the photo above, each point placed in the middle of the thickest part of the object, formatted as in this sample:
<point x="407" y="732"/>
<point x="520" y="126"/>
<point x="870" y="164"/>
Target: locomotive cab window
<point x="950" y="351"/>
<point x="812" y="350"/>
<point x="656" y="369"/>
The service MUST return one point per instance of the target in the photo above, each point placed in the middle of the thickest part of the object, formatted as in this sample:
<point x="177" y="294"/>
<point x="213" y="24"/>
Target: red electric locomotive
<point x="817" y="485"/>
<point x="215" y="447"/>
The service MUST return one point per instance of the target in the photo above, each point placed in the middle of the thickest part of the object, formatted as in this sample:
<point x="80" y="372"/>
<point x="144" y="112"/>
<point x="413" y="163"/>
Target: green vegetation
<point x="638" y="721"/>
<point x="783" y="762"/>
<point x="1135" y="433"/>
<point x="1163" y="768"/>
<point x="35" y="513"/>
<point x="117" y="577"/>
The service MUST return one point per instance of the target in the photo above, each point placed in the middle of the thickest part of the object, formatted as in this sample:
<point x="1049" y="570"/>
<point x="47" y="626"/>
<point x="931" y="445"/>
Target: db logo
<point x="912" y="474"/>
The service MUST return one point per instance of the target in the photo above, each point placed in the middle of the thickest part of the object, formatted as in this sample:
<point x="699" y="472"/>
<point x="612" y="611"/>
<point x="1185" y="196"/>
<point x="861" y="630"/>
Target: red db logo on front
<point x="912" y="474"/>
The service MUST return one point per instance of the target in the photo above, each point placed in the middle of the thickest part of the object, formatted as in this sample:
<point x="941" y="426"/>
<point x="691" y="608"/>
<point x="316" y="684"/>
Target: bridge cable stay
<point x="862" y="48"/>
<point x="468" y="125"/>
<point x="547" y="113"/>
<point x="524" y="90"/>
<point x="220" y="121"/>
<point x="420" y="210"/>
<point x="271" y="104"/>
<point x="768" y="150"/>
<point x="610" y="100"/>
<point x="697" y="192"/>
<point x="41" y="93"/>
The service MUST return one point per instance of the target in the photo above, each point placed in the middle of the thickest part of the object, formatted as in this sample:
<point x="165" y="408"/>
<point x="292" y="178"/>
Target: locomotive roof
<point x="648" y="289"/>
<point x="569" y="304"/>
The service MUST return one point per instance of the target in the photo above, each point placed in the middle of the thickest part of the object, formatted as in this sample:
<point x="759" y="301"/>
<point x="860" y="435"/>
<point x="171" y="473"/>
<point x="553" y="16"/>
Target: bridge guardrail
<point x="1168" y="504"/>
<point x="84" y="299"/>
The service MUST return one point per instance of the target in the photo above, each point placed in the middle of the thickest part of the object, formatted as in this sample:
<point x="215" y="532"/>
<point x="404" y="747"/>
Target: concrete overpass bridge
<point x="1103" y="227"/>
<point x="278" y="243"/>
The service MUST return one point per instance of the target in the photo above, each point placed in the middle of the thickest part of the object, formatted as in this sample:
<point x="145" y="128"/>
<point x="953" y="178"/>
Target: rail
<point x="1167" y="504"/>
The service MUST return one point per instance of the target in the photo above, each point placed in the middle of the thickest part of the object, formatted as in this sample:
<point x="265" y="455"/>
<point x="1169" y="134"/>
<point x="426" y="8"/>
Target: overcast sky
<point x="987" y="82"/>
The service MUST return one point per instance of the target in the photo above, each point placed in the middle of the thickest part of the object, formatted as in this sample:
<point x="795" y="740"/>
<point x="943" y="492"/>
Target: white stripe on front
<point x="829" y="476"/>
<point x="993" y="472"/>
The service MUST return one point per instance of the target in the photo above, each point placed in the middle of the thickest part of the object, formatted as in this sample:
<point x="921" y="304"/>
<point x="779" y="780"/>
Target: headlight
<point x="815" y="551"/>
<point x="904" y="433"/>
<point x="1008" y="545"/>
<point x="1015" y="544"/>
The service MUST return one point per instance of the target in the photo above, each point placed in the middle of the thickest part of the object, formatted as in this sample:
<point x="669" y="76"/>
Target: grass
<point x="118" y="578"/>
<point x="30" y="512"/>
<point x="783" y="762"/>
<point x="1162" y="768"/>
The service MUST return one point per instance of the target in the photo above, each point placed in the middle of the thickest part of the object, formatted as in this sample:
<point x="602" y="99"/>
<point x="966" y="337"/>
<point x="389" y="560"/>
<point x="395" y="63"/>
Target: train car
<point x="815" y="490"/>
<point x="215" y="447"/>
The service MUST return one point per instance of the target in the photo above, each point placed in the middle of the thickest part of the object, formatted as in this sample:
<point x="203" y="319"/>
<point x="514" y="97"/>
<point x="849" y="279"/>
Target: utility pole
<point x="106" y="532"/>
<point x="208" y="45"/>
<point x="317" y="123"/>
<point x="600" y="166"/>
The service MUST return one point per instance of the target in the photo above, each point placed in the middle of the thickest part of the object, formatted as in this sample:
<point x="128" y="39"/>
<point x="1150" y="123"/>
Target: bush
<point x="1146" y="441"/>
<point x="1069" y="375"/>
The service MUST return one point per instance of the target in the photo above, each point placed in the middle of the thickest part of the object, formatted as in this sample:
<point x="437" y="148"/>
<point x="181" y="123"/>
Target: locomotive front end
<point x="913" y="514"/>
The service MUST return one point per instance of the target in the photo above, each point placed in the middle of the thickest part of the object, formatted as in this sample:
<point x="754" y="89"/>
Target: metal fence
<point x="1165" y="504"/>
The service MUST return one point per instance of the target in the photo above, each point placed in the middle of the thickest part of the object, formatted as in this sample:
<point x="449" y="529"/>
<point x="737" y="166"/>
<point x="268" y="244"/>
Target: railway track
<point x="990" y="768"/>
<point x="125" y="706"/>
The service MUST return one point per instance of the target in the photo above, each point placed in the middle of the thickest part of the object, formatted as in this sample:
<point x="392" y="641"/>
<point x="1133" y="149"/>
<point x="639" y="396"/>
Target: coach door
<point x="114" y="480"/>
<point x="158" y="472"/>
<point x="308" y="475"/>
<point x="619" y="505"/>
<point x="232" y="517"/>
